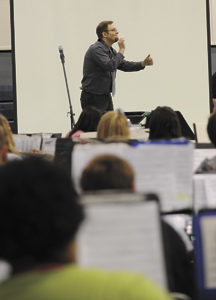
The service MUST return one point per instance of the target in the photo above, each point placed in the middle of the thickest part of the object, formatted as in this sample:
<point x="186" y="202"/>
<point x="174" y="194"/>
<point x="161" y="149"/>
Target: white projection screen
<point x="174" y="32"/>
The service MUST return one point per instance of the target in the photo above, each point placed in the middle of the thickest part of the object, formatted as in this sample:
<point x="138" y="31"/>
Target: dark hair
<point x="88" y="120"/>
<point x="164" y="124"/>
<point x="211" y="128"/>
<point x="107" y="172"/>
<point x="102" y="26"/>
<point x="39" y="212"/>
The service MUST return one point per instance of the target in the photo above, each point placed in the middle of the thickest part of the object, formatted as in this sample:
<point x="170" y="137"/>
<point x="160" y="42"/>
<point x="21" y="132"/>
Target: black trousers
<point x="102" y="102"/>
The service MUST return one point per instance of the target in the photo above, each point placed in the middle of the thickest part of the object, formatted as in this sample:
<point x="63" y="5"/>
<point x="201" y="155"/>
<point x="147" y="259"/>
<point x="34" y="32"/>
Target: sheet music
<point x="48" y="145"/>
<point x="204" y="191"/>
<point x="199" y="196"/>
<point x="123" y="237"/>
<point x="168" y="169"/>
<point x="210" y="189"/>
<point x="200" y="155"/>
<point x="208" y="231"/>
<point x="26" y="143"/>
<point x="165" y="169"/>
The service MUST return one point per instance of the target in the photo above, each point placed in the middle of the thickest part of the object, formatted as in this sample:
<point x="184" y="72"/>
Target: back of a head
<point x="106" y="172"/>
<point x="113" y="124"/>
<point x="39" y="212"/>
<point x="164" y="124"/>
<point x="8" y="134"/>
<point x="88" y="120"/>
<point x="211" y="129"/>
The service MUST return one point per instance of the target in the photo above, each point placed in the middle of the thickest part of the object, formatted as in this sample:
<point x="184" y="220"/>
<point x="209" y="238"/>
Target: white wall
<point x="173" y="31"/>
<point x="5" y="33"/>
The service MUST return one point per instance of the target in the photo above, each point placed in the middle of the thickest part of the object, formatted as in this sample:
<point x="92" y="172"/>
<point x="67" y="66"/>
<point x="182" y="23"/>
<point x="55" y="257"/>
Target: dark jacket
<point x="99" y="63"/>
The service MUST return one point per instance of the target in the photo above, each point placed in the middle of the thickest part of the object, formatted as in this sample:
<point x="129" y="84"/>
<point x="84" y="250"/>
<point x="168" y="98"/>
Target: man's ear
<point x="104" y="34"/>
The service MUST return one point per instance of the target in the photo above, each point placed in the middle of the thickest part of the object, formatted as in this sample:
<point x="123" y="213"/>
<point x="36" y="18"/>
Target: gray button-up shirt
<point x="99" y="63"/>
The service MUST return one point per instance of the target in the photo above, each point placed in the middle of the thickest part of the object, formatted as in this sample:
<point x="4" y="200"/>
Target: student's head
<point x="39" y="213"/>
<point x="107" y="172"/>
<point x="8" y="134"/>
<point x="164" y="124"/>
<point x="113" y="124"/>
<point x="211" y="128"/>
<point x="3" y="147"/>
<point x="88" y="120"/>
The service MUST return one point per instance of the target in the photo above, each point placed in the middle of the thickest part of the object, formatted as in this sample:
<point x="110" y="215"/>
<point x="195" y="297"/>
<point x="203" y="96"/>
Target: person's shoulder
<point x="134" y="285"/>
<point x="98" y="45"/>
<point x="69" y="280"/>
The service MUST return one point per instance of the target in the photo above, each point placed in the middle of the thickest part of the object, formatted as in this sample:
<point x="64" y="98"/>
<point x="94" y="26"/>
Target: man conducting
<point x="100" y="65"/>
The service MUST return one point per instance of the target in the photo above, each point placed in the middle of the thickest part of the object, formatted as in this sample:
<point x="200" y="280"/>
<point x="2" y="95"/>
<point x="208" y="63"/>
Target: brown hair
<point x="107" y="172"/>
<point x="8" y="134"/>
<point x="113" y="124"/>
<point x="102" y="26"/>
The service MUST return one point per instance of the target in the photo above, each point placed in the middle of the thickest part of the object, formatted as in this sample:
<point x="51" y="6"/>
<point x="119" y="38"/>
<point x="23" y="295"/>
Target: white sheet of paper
<point x="210" y="190"/>
<point x="208" y="230"/>
<point x="26" y="143"/>
<point x="204" y="186"/>
<point x="123" y="237"/>
<point x="201" y="154"/>
<point x="165" y="169"/>
<point x="199" y="196"/>
<point x="48" y="145"/>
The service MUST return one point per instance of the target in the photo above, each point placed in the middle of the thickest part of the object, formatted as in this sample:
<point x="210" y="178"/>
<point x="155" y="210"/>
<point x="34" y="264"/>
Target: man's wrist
<point x="122" y="50"/>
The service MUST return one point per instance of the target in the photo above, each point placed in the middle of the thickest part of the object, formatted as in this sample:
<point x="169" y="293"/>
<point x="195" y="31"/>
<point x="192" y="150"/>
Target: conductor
<point x="100" y="65"/>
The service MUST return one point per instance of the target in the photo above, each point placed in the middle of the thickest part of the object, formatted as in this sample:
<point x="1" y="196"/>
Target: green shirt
<point x="72" y="282"/>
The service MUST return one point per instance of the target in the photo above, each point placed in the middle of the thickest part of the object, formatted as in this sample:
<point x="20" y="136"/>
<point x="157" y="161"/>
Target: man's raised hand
<point x="148" y="61"/>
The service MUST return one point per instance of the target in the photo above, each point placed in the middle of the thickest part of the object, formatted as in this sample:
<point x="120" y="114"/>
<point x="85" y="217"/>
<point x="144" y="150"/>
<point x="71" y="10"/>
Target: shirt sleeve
<point x="130" y="66"/>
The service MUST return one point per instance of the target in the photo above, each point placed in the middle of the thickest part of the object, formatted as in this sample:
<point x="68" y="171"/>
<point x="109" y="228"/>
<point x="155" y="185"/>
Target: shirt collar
<point x="109" y="48"/>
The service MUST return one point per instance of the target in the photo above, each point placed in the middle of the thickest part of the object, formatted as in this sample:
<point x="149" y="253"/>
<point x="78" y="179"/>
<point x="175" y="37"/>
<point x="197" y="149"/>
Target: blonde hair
<point x="8" y="134"/>
<point x="113" y="125"/>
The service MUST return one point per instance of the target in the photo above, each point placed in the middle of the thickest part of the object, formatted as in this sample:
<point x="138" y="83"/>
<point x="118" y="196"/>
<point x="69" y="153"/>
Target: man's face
<point x="112" y="33"/>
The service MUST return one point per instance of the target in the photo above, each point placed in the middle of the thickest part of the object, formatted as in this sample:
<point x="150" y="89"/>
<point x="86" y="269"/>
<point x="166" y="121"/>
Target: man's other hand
<point x="148" y="61"/>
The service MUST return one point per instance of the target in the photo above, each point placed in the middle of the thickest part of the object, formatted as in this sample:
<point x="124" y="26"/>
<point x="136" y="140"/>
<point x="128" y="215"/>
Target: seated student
<point x="110" y="172"/>
<point x="39" y="220"/>
<point x="164" y="124"/>
<point x="113" y="126"/>
<point x="106" y="172"/>
<point x="87" y="122"/>
<point x="3" y="147"/>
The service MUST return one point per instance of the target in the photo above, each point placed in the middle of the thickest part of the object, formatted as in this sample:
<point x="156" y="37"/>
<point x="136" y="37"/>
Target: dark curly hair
<point x="164" y="124"/>
<point x="39" y="212"/>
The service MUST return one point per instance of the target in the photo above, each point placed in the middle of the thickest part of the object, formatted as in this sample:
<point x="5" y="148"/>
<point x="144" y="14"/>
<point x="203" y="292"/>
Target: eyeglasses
<point x="114" y="30"/>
